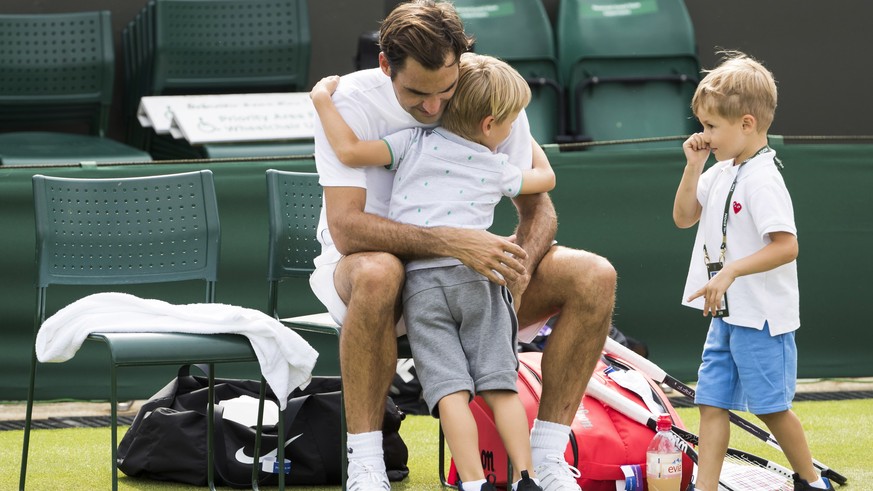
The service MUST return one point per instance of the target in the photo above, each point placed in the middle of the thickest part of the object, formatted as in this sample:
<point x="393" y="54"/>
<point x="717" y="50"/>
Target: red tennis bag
<point x="604" y="444"/>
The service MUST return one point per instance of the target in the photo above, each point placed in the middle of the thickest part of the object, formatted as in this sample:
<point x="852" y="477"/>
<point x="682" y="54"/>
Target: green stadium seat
<point x="630" y="68"/>
<point x="189" y="47"/>
<point x="519" y="32"/>
<point x="74" y="215"/>
<point x="57" y="77"/>
<point x="294" y="201"/>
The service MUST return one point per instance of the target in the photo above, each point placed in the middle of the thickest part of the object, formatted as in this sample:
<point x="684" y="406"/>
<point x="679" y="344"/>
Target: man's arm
<point x="354" y="230"/>
<point x="537" y="226"/>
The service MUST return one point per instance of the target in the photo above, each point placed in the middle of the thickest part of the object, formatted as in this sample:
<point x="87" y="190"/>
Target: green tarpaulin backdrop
<point x="617" y="203"/>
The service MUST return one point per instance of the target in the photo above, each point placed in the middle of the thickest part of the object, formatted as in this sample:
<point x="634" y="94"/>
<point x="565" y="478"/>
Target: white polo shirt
<point x="759" y="206"/>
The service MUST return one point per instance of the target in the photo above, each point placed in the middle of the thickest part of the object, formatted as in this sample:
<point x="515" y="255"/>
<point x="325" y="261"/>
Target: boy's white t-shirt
<point x="759" y="206"/>
<point x="367" y="102"/>
<point x="443" y="179"/>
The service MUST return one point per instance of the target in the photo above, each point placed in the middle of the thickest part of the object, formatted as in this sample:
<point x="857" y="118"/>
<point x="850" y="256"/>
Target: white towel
<point x="286" y="359"/>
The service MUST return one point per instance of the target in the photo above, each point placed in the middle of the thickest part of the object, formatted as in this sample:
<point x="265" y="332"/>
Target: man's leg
<point x="581" y="287"/>
<point x="370" y="284"/>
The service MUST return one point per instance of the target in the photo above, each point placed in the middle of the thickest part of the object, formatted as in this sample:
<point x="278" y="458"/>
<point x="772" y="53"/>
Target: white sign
<point x="230" y="117"/>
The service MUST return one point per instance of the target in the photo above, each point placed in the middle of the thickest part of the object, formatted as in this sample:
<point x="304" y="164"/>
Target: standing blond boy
<point x="743" y="270"/>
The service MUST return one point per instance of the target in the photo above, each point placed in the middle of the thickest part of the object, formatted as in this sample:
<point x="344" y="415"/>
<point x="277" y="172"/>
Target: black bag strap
<point x="288" y="415"/>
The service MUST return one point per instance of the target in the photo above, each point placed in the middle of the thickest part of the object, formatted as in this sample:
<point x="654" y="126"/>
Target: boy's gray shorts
<point x="462" y="330"/>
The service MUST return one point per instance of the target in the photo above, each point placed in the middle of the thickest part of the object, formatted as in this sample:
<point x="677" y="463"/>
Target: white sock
<point x="547" y="438"/>
<point x="819" y="483"/>
<point x="366" y="449"/>
<point x="473" y="485"/>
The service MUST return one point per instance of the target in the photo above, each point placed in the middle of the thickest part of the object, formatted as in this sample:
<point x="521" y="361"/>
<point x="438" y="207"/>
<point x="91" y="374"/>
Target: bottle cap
<point x="664" y="422"/>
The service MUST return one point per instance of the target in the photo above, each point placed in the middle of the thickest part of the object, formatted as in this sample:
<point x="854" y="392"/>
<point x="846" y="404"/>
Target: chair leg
<point x="27" y="420"/>
<point x="113" y="419"/>
<point x="442" y="460"/>
<point x="210" y="429"/>
<point x="344" y="451"/>
<point x="256" y="452"/>
<point x="280" y="450"/>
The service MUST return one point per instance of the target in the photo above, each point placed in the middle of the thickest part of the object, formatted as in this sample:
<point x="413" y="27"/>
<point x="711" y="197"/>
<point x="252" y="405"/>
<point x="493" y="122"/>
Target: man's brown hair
<point x="425" y="30"/>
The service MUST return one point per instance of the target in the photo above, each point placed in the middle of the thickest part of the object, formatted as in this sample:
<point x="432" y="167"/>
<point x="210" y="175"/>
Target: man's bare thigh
<point x="560" y="274"/>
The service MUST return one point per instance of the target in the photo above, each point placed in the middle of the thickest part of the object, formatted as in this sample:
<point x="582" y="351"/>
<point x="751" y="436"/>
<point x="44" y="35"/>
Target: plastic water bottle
<point x="664" y="459"/>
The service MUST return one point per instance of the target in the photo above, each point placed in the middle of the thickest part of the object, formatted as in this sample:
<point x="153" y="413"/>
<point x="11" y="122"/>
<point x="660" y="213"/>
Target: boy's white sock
<point x="547" y="438"/>
<point x="473" y="485"/>
<point x="366" y="449"/>
<point x="819" y="483"/>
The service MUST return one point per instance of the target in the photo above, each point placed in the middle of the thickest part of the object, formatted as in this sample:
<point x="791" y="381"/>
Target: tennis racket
<point x="741" y="470"/>
<point x="656" y="373"/>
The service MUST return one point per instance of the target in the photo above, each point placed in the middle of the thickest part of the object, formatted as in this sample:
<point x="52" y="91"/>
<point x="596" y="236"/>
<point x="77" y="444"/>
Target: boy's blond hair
<point x="740" y="85"/>
<point x="486" y="87"/>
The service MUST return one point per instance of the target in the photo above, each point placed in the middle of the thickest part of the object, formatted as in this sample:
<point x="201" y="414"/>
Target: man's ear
<point x="383" y="64"/>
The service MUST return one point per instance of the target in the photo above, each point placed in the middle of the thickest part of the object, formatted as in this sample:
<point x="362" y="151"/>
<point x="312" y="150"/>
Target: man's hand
<point x="487" y="254"/>
<point x="517" y="289"/>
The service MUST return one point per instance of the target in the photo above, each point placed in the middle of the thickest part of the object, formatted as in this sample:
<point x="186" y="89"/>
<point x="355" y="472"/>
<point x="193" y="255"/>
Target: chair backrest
<point x="630" y="68"/>
<point x="616" y="29"/>
<point x="519" y="32"/>
<point x="203" y="46"/>
<point x="126" y="230"/>
<point x="294" y="203"/>
<point x="56" y="68"/>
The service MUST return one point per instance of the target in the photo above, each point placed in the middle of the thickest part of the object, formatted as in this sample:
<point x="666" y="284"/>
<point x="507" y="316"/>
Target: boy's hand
<point x="713" y="291"/>
<point x="324" y="87"/>
<point x="696" y="150"/>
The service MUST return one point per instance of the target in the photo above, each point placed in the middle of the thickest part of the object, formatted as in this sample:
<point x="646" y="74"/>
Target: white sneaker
<point x="363" y="477"/>
<point x="555" y="474"/>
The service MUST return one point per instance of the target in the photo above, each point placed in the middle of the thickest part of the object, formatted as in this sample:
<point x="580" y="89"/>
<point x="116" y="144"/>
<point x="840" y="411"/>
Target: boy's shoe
<point x="801" y="485"/>
<point x="527" y="483"/>
<point x="487" y="486"/>
<point x="365" y="478"/>
<point x="555" y="474"/>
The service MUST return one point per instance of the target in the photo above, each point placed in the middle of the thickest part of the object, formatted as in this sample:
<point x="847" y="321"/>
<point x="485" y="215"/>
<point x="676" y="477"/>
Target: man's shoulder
<point x="361" y="82"/>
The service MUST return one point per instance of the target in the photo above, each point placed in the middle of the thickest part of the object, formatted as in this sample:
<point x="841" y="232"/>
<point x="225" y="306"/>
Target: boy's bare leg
<point x="788" y="431"/>
<point x="511" y="422"/>
<point x="581" y="287"/>
<point x="370" y="284"/>
<point x="459" y="427"/>
<point x="715" y="434"/>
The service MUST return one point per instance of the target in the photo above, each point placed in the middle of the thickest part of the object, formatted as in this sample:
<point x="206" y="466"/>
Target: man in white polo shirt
<point x="360" y="274"/>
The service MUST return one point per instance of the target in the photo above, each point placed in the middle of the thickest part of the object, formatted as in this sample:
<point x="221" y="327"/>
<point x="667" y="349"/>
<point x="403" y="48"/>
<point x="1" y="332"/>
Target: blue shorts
<point x="746" y="369"/>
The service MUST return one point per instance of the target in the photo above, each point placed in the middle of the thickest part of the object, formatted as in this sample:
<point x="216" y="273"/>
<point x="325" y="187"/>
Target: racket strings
<point x="742" y="474"/>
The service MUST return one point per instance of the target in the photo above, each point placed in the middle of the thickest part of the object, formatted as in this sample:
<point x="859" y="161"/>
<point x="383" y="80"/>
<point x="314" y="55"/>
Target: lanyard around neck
<point x="727" y="207"/>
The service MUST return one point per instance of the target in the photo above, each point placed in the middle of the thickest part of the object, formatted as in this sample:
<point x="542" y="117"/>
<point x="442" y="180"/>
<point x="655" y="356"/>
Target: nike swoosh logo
<point x="242" y="458"/>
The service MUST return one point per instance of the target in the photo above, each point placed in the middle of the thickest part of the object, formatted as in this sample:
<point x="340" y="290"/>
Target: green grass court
<point x="840" y="434"/>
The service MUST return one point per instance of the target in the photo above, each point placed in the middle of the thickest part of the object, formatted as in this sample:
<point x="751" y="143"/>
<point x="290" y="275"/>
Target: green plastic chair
<point x="294" y="201"/>
<point x="630" y="68"/>
<point x="58" y="73"/>
<point x="109" y="218"/>
<point x="519" y="32"/>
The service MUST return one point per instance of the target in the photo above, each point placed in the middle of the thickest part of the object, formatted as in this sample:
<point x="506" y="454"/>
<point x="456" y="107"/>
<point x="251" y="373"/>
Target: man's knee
<point x="377" y="274"/>
<point x="584" y="272"/>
